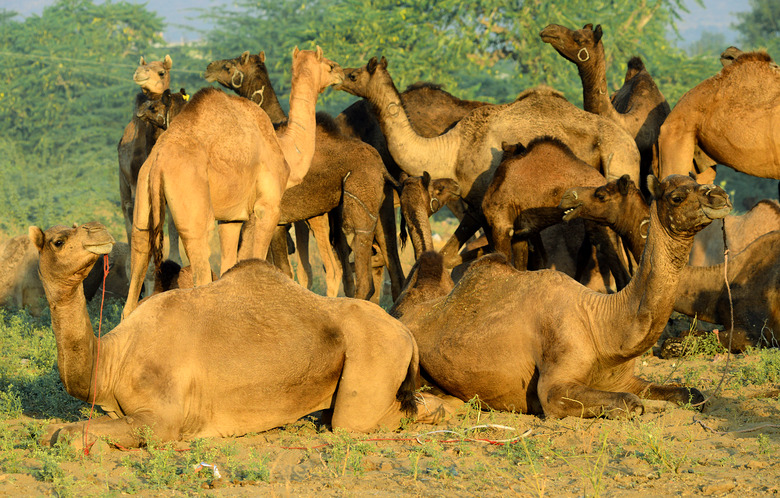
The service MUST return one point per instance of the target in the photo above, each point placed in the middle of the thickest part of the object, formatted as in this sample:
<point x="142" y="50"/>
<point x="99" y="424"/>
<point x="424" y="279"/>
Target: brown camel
<point x="522" y="200"/>
<point x="553" y="346"/>
<point x="221" y="160"/>
<point x="343" y="355"/>
<point x="20" y="285"/>
<point x="729" y="55"/>
<point x="471" y="150"/>
<point x="160" y="112"/>
<point x="139" y="137"/>
<point x="731" y="116"/>
<point x="420" y="198"/>
<point x="754" y="264"/>
<point x="344" y="173"/>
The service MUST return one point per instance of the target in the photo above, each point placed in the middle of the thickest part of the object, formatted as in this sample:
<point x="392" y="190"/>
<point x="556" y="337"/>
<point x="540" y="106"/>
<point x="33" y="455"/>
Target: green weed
<point x="659" y="452"/>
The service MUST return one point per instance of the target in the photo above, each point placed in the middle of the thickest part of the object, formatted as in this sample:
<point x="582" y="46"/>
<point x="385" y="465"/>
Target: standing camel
<point x="732" y="116"/>
<point x="345" y="173"/>
<point x="470" y="152"/>
<point x="552" y="346"/>
<point x="221" y="160"/>
<point x="234" y="356"/>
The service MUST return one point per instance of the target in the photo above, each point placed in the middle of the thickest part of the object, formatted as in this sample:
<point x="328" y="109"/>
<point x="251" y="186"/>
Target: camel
<point x="729" y="55"/>
<point x="139" y="137"/>
<point x="553" y="347"/>
<point x="753" y="268"/>
<point x="420" y="198"/>
<point x="731" y="117"/>
<point x="343" y="355"/>
<point x="159" y="112"/>
<point x="471" y="150"/>
<point x="344" y="173"/>
<point x="21" y="287"/>
<point x="523" y="199"/>
<point x="221" y="160"/>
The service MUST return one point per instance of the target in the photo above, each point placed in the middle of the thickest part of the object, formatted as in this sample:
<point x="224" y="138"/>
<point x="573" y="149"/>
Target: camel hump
<point x="327" y="124"/>
<point x="541" y="91"/>
<point x="424" y="84"/>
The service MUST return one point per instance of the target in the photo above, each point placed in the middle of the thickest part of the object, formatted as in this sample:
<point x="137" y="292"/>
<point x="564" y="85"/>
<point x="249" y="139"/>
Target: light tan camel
<point x="221" y="160"/>
<point x="233" y="358"/>
<point x="732" y="117"/>
<point x="553" y="346"/>
<point x="345" y="173"/>
<point x="753" y="268"/>
<point x="139" y="137"/>
<point x="470" y="152"/>
<point x="20" y="285"/>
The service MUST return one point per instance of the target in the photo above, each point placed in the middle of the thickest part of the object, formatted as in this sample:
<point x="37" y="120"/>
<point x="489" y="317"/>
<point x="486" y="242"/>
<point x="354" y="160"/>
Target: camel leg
<point x="537" y="254"/>
<point x="561" y="397"/>
<point x="229" y="232"/>
<point x="126" y="197"/>
<point x="303" y="271"/>
<point x="467" y="227"/>
<point x="277" y="253"/>
<point x="362" y="247"/>
<point x="267" y="213"/>
<point x="342" y="251"/>
<point x="333" y="271"/>
<point x="173" y="240"/>
<point x="519" y="254"/>
<point x="387" y="239"/>
<point x="139" y="263"/>
<point x="676" y="394"/>
<point x="125" y="431"/>
<point x="377" y="274"/>
<point x="676" y="148"/>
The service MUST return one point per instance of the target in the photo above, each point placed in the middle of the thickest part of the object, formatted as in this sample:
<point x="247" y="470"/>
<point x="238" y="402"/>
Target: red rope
<point x="106" y="267"/>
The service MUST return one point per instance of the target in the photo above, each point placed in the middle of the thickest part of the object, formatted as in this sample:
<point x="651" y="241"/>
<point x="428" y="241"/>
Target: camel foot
<point x="433" y="409"/>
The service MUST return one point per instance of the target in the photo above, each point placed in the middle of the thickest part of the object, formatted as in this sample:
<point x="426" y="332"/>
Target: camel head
<point x="577" y="46"/>
<point x="231" y="73"/>
<point x="154" y="77"/>
<point x="66" y="255"/>
<point x="358" y="81"/>
<point x="684" y="206"/>
<point x="158" y="112"/>
<point x="603" y="204"/>
<point x="728" y="55"/>
<point x="330" y="73"/>
<point x="435" y="193"/>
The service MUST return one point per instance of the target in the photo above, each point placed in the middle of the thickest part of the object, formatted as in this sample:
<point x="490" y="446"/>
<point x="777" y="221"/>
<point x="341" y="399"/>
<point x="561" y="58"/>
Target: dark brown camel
<point x="345" y="173"/>
<point x="233" y="359"/>
<point x="160" y="112"/>
<point x="420" y="198"/>
<point x="754" y="264"/>
<point x="553" y="347"/>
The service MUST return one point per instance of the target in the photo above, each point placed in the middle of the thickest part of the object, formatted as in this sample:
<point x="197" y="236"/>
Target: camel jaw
<point x="100" y="249"/>
<point x="717" y="213"/>
<point x="571" y="213"/>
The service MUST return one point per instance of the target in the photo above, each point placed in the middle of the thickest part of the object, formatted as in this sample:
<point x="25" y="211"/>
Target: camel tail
<point x="156" y="220"/>
<point x="403" y="235"/>
<point x="408" y="390"/>
<point x="392" y="181"/>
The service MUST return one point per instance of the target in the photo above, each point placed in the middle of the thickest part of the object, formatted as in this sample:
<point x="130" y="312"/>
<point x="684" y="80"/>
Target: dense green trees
<point x="66" y="90"/>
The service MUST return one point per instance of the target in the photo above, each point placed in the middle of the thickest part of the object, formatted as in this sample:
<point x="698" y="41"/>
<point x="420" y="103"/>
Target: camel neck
<point x="75" y="340"/>
<point x="264" y="95"/>
<point x="593" y="73"/>
<point x="298" y="138"/>
<point x="633" y="223"/>
<point x="645" y="304"/>
<point x="413" y="153"/>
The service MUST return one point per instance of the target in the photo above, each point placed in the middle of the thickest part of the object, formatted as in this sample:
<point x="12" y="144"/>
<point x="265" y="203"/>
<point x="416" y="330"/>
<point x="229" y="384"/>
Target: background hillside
<point x="66" y="91"/>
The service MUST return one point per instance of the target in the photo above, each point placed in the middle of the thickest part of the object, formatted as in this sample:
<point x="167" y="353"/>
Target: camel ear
<point x="36" y="237"/>
<point x="244" y="57"/>
<point x="262" y="56"/>
<point x="623" y="184"/>
<point x="371" y="66"/>
<point x="296" y="51"/>
<point x="383" y="62"/>
<point x="166" y="97"/>
<point x="318" y="53"/>
<point x="654" y="186"/>
<point x="597" y="33"/>
<point x="142" y="62"/>
<point x="167" y="62"/>
<point x="426" y="179"/>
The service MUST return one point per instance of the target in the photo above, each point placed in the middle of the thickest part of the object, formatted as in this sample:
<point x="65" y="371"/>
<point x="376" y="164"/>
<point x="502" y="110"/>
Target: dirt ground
<point x="730" y="448"/>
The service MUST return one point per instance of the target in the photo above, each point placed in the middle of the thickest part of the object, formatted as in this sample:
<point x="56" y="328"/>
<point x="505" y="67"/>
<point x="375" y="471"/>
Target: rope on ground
<point x="721" y="433"/>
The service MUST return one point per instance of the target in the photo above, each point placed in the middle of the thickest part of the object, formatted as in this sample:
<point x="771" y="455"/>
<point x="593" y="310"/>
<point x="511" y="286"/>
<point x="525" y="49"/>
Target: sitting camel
<point x="753" y="268"/>
<point x="522" y="200"/>
<point x="468" y="151"/>
<point x="221" y="160"/>
<point x="552" y="346"/>
<point x="731" y="117"/>
<point x="420" y="198"/>
<point x="344" y="173"/>
<point x="192" y="381"/>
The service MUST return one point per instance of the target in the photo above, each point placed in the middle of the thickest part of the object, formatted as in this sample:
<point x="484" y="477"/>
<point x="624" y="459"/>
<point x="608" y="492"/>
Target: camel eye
<point x="352" y="77"/>
<point x="677" y="199"/>
<point x="161" y="73"/>
<point x="600" y="195"/>
<point x="58" y="243"/>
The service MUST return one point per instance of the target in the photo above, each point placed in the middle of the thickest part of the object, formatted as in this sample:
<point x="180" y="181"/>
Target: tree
<point x="760" y="27"/>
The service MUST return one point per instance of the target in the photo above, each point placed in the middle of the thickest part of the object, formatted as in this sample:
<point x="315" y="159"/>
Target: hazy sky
<point x="716" y="16"/>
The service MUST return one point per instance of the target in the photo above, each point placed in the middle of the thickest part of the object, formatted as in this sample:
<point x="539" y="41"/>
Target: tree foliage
<point x="760" y="26"/>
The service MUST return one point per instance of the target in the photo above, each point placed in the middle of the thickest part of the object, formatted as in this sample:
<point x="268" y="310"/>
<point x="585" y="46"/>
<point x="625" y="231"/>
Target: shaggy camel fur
<point x="731" y="116"/>
<point x="221" y="159"/>
<point x="420" y="198"/>
<point x="554" y="347"/>
<point x="470" y="151"/>
<point x="192" y="381"/>
<point x="523" y="198"/>
<point x="139" y="137"/>
<point x="754" y="264"/>
<point x="344" y="172"/>
<point x="21" y="287"/>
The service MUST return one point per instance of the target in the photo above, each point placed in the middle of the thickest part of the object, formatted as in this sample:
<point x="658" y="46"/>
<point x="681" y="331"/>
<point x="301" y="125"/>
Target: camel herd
<point x="589" y="219"/>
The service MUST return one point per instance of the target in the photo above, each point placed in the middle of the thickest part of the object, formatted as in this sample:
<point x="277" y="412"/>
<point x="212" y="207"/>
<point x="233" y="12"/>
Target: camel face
<point x="357" y="80"/>
<point x="575" y="46"/>
<point x="687" y="206"/>
<point x="69" y="253"/>
<point x="154" y="111"/>
<point x="154" y="77"/>
<point x="598" y="204"/>
<point x="331" y="73"/>
<point x="232" y="73"/>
